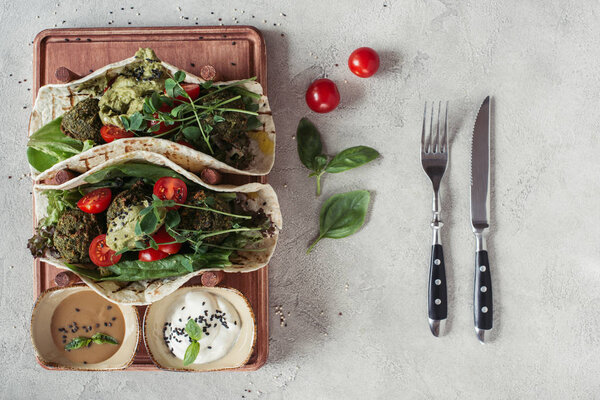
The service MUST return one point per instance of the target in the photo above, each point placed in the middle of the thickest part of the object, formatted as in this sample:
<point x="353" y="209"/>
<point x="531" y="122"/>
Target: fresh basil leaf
<point x="309" y="143"/>
<point x="100" y="338"/>
<point x="138" y="229"/>
<point x="191" y="353"/>
<point x="342" y="215"/>
<point x="146" y="210"/>
<point x="136" y="121"/>
<point x="218" y="118"/>
<point x="179" y="76"/>
<point x="176" y="110"/>
<point x="351" y="158"/>
<point x="320" y="162"/>
<point x="78" y="343"/>
<point x="193" y="330"/>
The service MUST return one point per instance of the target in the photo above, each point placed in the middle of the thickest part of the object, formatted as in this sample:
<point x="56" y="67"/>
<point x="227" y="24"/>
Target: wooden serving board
<point x="236" y="52"/>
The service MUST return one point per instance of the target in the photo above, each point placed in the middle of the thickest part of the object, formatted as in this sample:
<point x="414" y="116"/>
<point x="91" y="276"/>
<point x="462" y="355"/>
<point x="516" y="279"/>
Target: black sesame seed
<point x="77" y="309"/>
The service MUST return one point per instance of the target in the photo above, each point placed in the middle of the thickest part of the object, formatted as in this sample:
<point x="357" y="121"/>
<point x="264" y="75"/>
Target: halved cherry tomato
<point x="162" y="236"/>
<point x="95" y="202"/>
<point x="363" y="62"/>
<point x="192" y="89"/>
<point x="163" y="128"/>
<point x="101" y="254"/>
<point x="151" y="255"/>
<point x="322" y="96"/>
<point x="111" y="132"/>
<point x="168" y="188"/>
<point x="183" y="142"/>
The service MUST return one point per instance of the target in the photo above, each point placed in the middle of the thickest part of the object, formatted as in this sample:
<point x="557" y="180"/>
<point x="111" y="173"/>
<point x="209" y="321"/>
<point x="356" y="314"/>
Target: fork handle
<point x="437" y="294"/>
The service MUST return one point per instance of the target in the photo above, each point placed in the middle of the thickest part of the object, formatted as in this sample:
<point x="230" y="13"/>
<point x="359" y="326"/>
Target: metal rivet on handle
<point x="438" y="302"/>
<point x="438" y="282"/>
<point x="483" y="289"/>
<point x="437" y="261"/>
<point x="484" y="309"/>
<point x="482" y="268"/>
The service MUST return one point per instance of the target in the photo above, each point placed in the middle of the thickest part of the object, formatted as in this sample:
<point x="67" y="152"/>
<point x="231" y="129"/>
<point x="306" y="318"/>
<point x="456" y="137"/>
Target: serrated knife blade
<point x="480" y="168"/>
<point x="480" y="219"/>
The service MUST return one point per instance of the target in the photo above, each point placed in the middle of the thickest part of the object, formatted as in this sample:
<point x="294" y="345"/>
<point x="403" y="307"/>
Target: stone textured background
<point x="356" y="308"/>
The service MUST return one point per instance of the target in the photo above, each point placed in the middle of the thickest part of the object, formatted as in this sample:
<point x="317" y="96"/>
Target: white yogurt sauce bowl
<point x="228" y="338"/>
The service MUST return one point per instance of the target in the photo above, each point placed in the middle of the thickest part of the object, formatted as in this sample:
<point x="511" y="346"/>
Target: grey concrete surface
<point x="355" y="309"/>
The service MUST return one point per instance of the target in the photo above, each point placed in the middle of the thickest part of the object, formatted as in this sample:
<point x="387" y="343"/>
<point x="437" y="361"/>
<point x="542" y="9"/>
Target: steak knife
<point x="480" y="220"/>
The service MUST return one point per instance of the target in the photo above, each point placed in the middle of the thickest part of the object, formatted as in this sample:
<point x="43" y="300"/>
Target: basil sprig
<point x="310" y="151"/>
<point x="195" y="333"/>
<point x="83" y="341"/>
<point x="342" y="215"/>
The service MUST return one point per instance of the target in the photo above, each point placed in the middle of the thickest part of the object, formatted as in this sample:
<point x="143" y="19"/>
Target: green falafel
<point x="74" y="233"/>
<point x="82" y="122"/>
<point x="206" y="221"/>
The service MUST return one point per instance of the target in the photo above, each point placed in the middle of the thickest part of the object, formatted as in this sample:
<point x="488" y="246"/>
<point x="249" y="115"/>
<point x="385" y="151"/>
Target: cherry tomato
<point x="192" y="89"/>
<point x="322" y="96"/>
<point x="162" y="236"/>
<point x="185" y="143"/>
<point x="95" y="202"/>
<point x="151" y="255"/>
<point x="363" y="62"/>
<point x="101" y="254"/>
<point x="163" y="128"/>
<point x="111" y="132"/>
<point x="167" y="188"/>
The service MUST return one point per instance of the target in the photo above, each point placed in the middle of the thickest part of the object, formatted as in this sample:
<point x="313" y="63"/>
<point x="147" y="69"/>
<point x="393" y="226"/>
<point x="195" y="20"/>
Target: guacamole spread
<point x="136" y="82"/>
<point x="121" y="231"/>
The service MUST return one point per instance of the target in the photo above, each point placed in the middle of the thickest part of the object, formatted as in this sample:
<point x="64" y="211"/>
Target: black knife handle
<point x="437" y="297"/>
<point x="483" y="307"/>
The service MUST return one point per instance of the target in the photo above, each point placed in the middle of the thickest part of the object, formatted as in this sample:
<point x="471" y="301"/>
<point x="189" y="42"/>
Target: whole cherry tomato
<point x="322" y="96"/>
<point x="363" y="62"/>
<point x="162" y="236"/>
<point x="101" y="254"/>
<point x="151" y="255"/>
<point x="96" y="201"/>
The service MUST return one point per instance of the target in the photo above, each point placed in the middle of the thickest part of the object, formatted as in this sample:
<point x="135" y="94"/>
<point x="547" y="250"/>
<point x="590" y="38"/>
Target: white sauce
<point x="218" y="319"/>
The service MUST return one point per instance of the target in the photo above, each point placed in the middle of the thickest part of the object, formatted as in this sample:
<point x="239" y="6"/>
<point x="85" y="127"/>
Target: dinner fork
<point x="434" y="158"/>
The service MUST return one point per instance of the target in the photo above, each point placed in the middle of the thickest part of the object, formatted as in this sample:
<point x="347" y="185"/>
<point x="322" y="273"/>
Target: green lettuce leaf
<point x="175" y="265"/>
<point x="134" y="170"/>
<point x="48" y="146"/>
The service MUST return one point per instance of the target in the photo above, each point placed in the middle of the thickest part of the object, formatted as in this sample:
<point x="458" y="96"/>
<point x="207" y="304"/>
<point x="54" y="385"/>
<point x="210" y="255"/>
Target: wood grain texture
<point x="236" y="52"/>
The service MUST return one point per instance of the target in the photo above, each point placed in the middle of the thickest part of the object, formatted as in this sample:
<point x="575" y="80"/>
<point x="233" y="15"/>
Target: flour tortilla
<point x="145" y="292"/>
<point x="54" y="100"/>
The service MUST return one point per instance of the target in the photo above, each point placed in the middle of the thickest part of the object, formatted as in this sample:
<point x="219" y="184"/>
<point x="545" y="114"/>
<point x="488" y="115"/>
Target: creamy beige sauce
<point x="83" y="314"/>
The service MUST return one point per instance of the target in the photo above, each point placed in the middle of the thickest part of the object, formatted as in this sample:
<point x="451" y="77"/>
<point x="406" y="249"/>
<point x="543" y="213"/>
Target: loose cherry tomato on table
<point x="162" y="236"/>
<point x="168" y="188"/>
<point x="101" y="254"/>
<point x="363" y="62"/>
<point x="151" y="255"/>
<point x="322" y="96"/>
<point x="96" y="201"/>
<point x="111" y="132"/>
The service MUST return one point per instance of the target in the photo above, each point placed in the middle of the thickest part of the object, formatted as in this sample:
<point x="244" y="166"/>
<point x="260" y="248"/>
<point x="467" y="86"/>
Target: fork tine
<point x="423" y="132"/>
<point x="429" y="142"/>
<point x="445" y="137"/>
<point x="436" y="143"/>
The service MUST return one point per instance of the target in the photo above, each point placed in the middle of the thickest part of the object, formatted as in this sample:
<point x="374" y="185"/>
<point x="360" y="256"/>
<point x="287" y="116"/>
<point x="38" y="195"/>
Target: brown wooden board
<point x="236" y="52"/>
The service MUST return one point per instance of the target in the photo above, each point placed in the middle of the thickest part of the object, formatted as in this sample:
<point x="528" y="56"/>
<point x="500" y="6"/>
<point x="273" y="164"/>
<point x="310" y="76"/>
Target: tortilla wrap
<point x="145" y="292"/>
<point x="54" y="100"/>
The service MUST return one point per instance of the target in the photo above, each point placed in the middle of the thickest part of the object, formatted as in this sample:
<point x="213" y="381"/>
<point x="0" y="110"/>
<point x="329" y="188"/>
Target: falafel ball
<point x="74" y="233"/>
<point x="206" y="221"/>
<point x="133" y="196"/>
<point x="82" y="122"/>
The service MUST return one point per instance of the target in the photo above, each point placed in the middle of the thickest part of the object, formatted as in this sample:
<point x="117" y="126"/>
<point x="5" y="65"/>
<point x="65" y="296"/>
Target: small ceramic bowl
<point x="156" y="315"/>
<point x="49" y="356"/>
